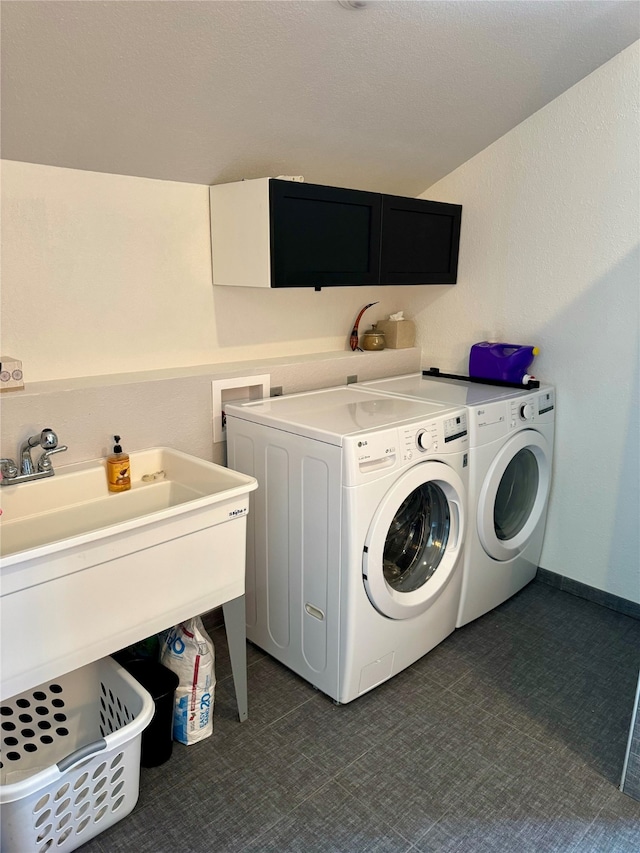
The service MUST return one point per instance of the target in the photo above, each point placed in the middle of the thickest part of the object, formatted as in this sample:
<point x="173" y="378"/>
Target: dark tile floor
<point x="510" y="736"/>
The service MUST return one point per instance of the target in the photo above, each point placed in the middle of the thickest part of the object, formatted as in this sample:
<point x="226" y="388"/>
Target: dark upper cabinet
<point x="323" y="236"/>
<point x="276" y="233"/>
<point x="420" y="241"/>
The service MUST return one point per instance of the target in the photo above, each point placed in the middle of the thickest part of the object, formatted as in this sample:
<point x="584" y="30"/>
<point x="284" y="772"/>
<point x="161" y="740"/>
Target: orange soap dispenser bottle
<point x="118" y="473"/>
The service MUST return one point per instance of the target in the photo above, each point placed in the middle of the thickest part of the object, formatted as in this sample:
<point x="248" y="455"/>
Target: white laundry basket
<point x="70" y="758"/>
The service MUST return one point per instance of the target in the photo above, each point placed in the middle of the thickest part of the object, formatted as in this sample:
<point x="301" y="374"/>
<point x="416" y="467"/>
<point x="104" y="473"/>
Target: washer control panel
<point x="367" y="456"/>
<point x="435" y="436"/>
<point x="376" y="449"/>
<point x="456" y="427"/>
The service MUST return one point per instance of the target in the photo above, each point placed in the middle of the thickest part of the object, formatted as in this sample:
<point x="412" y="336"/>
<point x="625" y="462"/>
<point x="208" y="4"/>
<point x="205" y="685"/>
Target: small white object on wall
<point x="235" y="388"/>
<point x="10" y="373"/>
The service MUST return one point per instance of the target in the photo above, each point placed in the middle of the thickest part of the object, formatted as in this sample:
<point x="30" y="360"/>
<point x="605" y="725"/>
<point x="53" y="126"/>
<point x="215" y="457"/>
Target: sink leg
<point x="235" y="625"/>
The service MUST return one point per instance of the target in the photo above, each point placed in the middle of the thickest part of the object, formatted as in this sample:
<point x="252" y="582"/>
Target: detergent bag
<point x="188" y="651"/>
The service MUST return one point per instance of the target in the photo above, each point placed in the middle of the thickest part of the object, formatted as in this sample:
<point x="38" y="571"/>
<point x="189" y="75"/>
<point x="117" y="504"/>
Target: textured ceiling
<point x="388" y="97"/>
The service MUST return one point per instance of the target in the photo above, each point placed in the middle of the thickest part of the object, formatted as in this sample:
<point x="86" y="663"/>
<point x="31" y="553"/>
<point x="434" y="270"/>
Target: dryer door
<point x="414" y="540"/>
<point x="514" y="494"/>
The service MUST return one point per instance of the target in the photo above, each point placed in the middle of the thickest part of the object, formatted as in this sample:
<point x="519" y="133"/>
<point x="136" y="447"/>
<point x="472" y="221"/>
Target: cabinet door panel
<point x="420" y="241"/>
<point x="323" y="236"/>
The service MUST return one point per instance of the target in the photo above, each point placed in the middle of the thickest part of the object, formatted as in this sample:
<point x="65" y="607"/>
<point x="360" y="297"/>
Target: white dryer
<point x="510" y="458"/>
<point x="355" y="533"/>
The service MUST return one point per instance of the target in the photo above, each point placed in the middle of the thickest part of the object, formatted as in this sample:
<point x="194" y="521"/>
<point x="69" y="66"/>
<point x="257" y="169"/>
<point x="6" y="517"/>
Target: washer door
<point x="414" y="539"/>
<point x="514" y="495"/>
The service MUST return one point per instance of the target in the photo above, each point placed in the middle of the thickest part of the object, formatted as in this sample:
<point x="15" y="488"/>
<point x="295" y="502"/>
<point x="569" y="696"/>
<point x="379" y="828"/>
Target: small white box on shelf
<point x="398" y="333"/>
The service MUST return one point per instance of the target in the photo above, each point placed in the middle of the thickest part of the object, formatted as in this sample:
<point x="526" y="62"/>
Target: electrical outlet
<point x="351" y="379"/>
<point x="276" y="391"/>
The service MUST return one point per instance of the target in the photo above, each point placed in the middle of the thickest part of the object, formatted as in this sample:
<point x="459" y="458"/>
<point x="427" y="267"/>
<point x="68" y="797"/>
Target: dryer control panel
<point x="491" y="421"/>
<point x="532" y="409"/>
<point x="546" y="401"/>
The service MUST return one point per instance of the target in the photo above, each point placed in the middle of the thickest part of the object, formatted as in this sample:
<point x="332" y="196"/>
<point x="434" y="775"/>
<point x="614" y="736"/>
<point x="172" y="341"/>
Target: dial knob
<point x="423" y="440"/>
<point x="526" y="411"/>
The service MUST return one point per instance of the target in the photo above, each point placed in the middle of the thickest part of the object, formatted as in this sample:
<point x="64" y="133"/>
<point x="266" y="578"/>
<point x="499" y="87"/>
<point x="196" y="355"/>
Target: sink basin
<point x="86" y="572"/>
<point x="76" y="501"/>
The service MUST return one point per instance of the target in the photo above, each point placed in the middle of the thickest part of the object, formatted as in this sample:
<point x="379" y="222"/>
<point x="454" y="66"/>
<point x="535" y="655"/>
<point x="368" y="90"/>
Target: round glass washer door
<point x="414" y="540"/>
<point x="514" y="495"/>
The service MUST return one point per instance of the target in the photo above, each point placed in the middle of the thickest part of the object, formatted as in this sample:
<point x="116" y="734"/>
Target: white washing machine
<point x="356" y="531"/>
<point x="510" y="457"/>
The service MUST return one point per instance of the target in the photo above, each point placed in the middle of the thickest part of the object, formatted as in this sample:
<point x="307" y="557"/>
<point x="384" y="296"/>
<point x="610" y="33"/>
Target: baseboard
<point x="583" y="590"/>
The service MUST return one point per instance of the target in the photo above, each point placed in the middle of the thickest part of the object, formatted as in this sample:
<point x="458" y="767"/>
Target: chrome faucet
<point x="48" y="441"/>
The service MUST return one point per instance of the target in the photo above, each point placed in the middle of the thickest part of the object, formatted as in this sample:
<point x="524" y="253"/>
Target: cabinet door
<point x="323" y="236"/>
<point x="420" y="241"/>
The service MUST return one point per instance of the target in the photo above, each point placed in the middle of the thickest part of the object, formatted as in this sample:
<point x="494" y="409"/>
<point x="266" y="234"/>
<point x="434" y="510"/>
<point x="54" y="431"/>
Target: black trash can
<point x="157" y="738"/>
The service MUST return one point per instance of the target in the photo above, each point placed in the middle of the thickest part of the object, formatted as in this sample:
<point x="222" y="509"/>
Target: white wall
<point x="103" y="273"/>
<point x="106" y="274"/>
<point x="549" y="256"/>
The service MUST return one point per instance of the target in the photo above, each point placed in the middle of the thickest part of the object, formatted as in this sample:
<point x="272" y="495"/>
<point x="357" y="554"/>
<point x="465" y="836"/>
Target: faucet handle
<point x="9" y="469"/>
<point x="44" y="462"/>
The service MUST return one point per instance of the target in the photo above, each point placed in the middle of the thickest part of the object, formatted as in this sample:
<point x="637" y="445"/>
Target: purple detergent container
<point x="504" y="362"/>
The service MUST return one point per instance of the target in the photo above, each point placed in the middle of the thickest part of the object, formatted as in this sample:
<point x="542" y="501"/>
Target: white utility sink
<point x="86" y="572"/>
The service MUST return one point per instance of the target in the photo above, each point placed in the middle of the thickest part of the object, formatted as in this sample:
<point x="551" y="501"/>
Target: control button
<point x="423" y="440"/>
<point x="526" y="411"/>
